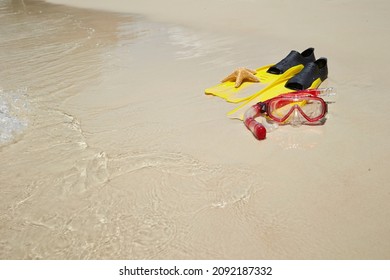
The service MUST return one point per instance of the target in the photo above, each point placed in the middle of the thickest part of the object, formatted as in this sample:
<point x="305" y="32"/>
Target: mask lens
<point x="310" y="108"/>
<point x="280" y="109"/>
<point x="313" y="109"/>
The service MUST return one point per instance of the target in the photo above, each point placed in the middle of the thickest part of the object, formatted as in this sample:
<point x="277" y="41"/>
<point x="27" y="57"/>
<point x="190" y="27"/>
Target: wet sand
<point x="117" y="153"/>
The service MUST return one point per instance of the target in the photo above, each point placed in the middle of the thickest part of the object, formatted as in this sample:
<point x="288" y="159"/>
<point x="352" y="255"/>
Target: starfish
<point x="241" y="74"/>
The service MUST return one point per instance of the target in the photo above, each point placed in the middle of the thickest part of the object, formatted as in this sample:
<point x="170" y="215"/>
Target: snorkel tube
<point x="259" y="130"/>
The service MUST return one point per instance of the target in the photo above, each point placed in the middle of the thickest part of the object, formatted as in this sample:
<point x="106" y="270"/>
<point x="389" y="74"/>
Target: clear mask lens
<point x="296" y="111"/>
<point x="312" y="108"/>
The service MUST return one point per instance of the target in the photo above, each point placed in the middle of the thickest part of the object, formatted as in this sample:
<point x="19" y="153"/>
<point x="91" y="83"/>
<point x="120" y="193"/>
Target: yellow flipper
<point x="273" y="90"/>
<point x="288" y="66"/>
<point x="230" y="93"/>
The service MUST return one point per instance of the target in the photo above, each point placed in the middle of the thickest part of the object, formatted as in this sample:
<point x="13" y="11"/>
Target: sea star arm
<point x="240" y="75"/>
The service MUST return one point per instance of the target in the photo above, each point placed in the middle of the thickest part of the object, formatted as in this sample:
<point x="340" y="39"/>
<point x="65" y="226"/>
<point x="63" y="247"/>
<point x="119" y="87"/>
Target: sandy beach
<point x="111" y="150"/>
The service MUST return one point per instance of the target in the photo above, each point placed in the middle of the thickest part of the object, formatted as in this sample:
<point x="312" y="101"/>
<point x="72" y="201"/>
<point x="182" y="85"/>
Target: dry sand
<point x="124" y="157"/>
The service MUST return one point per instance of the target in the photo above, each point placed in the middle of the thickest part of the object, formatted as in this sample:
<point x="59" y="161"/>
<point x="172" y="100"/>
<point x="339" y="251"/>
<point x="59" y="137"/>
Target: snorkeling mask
<point x="295" y="108"/>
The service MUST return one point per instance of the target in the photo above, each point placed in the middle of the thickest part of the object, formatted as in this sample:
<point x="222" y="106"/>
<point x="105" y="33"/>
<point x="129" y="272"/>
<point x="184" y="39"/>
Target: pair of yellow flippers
<point x="296" y="71"/>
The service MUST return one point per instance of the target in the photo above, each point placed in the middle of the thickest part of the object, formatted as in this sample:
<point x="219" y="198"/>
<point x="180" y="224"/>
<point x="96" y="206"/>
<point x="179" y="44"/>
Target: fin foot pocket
<point x="311" y="72"/>
<point x="292" y="59"/>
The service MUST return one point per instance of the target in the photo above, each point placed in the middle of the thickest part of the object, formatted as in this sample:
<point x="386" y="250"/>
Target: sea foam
<point x="13" y="109"/>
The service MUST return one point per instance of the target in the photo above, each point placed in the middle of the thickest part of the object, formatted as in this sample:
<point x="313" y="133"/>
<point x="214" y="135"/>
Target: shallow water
<point x="109" y="149"/>
<point x="75" y="184"/>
